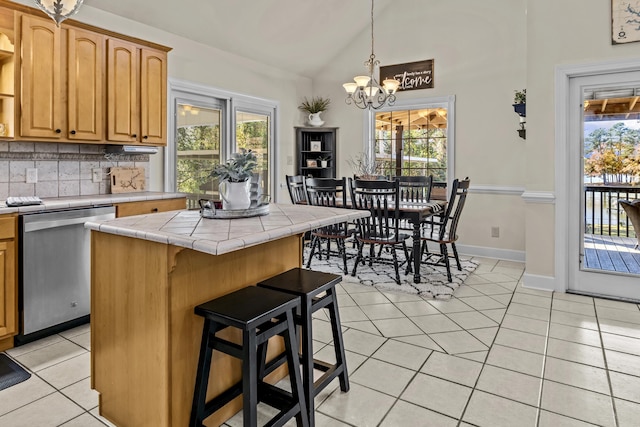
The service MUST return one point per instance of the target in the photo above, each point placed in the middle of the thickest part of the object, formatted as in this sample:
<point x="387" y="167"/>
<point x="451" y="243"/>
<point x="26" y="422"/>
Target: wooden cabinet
<point x="137" y="87"/>
<point x="8" y="282"/>
<point x="313" y="144"/>
<point x="153" y="96"/>
<point x="41" y="112"/>
<point x="78" y="83"/>
<point x="85" y="101"/>
<point x="122" y="88"/>
<point x="7" y="73"/>
<point x="150" y="206"/>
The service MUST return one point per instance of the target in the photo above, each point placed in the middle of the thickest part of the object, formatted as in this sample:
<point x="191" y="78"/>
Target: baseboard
<point x="481" y="251"/>
<point x="541" y="283"/>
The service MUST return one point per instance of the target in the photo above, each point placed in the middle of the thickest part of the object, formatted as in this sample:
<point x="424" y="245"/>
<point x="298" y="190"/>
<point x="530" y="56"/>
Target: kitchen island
<point x="148" y="272"/>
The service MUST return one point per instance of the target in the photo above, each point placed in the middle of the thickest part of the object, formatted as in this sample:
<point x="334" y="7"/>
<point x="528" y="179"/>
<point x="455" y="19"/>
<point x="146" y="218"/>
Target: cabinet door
<point x="123" y="117"/>
<point x="153" y="96"/>
<point x="41" y="99"/>
<point x="86" y="98"/>
<point x="8" y="301"/>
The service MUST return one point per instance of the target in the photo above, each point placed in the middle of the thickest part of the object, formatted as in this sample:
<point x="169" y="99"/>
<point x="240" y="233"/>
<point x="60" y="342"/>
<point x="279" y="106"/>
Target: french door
<point x="604" y="135"/>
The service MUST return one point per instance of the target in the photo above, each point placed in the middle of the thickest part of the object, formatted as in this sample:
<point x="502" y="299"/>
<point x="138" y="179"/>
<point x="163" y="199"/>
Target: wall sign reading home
<point x="411" y="75"/>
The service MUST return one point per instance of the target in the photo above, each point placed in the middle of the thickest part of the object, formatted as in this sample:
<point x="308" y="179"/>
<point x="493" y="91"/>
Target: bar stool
<point x="307" y="285"/>
<point x="261" y="314"/>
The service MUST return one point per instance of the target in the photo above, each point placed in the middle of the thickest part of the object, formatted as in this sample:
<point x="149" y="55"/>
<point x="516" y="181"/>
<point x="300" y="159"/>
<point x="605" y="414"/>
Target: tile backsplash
<point x="62" y="169"/>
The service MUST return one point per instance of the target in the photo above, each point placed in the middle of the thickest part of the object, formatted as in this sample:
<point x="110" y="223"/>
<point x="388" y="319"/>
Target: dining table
<point x="416" y="213"/>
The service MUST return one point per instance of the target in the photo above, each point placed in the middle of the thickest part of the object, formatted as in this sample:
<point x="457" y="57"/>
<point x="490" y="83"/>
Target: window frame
<point x="209" y="97"/>
<point x="447" y="102"/>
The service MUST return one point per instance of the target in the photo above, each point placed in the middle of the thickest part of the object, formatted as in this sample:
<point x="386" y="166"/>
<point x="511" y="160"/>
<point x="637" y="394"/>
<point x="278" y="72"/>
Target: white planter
<point x="323" y="163"/>
<point x="235" y="195"/>
<point x="315" y="120"/>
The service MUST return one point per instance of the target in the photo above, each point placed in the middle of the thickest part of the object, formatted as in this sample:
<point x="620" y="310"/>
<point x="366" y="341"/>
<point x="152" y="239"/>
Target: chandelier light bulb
<point x="361" y="81"/>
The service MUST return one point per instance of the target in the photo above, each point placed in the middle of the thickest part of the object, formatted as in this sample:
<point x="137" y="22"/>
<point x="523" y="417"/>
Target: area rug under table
<point x="434" y="283"/>
<point x="11" y="373"/>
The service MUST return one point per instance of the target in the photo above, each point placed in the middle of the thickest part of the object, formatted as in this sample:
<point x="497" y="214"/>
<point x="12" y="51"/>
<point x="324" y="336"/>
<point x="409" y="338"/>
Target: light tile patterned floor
<point x="495" y="355"/>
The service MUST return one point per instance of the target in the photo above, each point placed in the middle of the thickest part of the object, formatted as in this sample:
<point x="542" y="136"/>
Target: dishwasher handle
<point x="56" y="223"/>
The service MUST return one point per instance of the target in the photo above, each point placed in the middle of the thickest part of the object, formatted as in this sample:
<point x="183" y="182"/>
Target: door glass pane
<point x="197" y="151"/>
<point x="412" y="142"/>
<point x="611" y="174"/>
<point x="253" y="133"/>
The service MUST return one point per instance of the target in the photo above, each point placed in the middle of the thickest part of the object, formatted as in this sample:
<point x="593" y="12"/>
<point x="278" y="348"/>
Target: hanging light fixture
<point x="366" y="92"/>
<point x="59" y="10"/>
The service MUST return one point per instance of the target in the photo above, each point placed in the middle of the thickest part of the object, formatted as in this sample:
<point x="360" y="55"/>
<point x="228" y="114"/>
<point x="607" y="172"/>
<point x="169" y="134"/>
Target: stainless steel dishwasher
<point x="55" y="273"/>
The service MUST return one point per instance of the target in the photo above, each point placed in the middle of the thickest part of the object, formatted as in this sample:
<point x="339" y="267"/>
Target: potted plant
<point x="235" y="179"/>
<point x="324" y="160"/>
<point x="520" y="102"/>
<point x="314" y="107"/>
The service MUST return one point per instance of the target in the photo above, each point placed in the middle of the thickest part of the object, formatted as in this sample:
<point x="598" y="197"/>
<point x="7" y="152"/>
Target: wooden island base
<point x="144" y="335"/>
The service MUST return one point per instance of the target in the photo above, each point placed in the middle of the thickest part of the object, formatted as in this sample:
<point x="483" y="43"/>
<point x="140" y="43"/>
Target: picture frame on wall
<point x="316" y="146"/>
<point x="625" y="15"/>
<point x="312" y="163"/>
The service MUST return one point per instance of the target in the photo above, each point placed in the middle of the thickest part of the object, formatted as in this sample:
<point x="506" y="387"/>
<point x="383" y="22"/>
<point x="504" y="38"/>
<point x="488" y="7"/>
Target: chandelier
<point x="59" y="10"/>
<point x="366" y="92"/>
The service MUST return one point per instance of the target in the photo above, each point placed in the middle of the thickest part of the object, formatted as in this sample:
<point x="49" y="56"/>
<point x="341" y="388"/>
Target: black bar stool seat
<point x="260" y="314"/>
<point x="309" y="286"/>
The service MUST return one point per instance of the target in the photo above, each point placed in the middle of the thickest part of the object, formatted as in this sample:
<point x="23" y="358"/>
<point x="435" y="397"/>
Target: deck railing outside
<point x="603" y="215"/>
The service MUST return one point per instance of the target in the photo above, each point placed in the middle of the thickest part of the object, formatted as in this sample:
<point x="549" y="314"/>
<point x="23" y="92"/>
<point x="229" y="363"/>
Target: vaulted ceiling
<point x="298" y="35"/>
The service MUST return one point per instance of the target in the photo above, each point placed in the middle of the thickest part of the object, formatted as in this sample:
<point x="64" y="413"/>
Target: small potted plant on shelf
<point x="324" y="161"/>
<point x="314" y="107"/>
<point x="520" y="102"/>
<point x="235" y="179"/>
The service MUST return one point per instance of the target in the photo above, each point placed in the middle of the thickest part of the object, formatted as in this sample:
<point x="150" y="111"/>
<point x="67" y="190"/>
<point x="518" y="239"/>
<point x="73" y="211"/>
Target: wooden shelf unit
<point x="326" y="139"/>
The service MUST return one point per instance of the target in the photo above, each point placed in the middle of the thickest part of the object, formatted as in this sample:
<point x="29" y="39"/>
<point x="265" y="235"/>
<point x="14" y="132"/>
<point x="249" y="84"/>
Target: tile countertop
<point x="219" y="236"/>
<point x="86" y="201"/>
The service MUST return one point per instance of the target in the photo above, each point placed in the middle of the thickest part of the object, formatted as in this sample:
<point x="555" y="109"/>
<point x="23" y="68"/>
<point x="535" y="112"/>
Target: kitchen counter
<point x="86" y="201"/>
<point x="148" y="272"/>
<point x="188" y="229"/>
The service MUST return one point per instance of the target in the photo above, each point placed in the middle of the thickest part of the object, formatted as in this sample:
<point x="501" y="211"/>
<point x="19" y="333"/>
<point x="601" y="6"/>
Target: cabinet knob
<point x="145" y="137"/>
<point x="134" y="136"/>
<point x="58" y="131"/>
<point x="73" y="132"/>
<point x="154" y="210"/>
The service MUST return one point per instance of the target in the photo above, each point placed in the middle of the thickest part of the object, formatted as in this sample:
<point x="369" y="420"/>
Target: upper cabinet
<point x="153" y="96"/>
<point x="137" y="100"/>
<point x="79" y="83"/>
<point x="41" y="103"/>
<point x="123" y="124"/>
<point x="85" y="91"/>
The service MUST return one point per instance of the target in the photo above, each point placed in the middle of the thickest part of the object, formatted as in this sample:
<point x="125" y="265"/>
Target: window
<point x="208" y="126"/>
<point x="415" y="139"/>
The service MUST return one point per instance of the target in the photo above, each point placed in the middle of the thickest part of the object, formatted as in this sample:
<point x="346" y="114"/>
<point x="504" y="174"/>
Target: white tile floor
<point x="495" y="355"/>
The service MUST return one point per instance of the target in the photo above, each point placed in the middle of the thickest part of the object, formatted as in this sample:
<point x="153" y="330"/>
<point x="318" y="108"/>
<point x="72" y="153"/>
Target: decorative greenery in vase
<point x="316" y="105"/>
<point x="238" y="168"/>
<point x="324" y="158"/>
<point x="520" y="97"/>
<point x="364" y="167"/>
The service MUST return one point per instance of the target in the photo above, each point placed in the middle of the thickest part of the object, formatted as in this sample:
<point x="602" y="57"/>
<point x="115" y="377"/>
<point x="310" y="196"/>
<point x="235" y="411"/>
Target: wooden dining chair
<point x="443" y="229"/>
<point x="381" y="199"/>
<point x="415" y="189"/>
<point x="332" y="193"/>
<point x="297" y="190"/>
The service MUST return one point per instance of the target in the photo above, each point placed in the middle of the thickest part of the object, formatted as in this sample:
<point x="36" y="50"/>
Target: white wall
<point x="195" y="62"/>
<point x="479" y="50"/>
<point x="558" y="33"/>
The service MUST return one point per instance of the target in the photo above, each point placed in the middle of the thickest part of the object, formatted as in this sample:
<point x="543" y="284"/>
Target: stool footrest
<point x="275" y="363"/>
<point x="330" y="373"/>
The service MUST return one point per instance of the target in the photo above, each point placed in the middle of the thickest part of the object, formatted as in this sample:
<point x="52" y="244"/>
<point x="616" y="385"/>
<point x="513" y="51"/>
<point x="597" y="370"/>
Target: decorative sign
<point x="412" y="75"/>
<point x="625" y="21"/>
